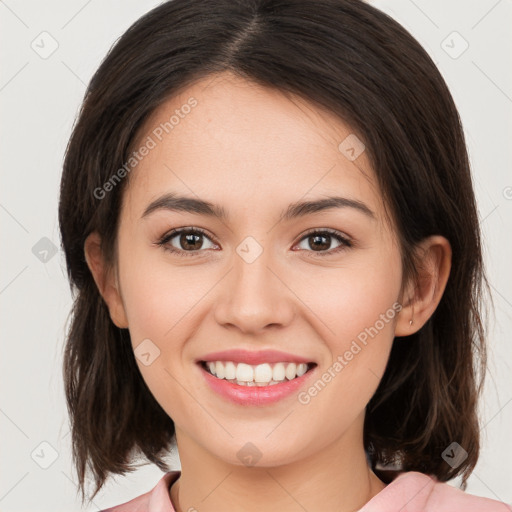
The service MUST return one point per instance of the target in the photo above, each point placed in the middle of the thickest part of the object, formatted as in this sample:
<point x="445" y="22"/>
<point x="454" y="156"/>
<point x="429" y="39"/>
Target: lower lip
<point x="255" y="395"/>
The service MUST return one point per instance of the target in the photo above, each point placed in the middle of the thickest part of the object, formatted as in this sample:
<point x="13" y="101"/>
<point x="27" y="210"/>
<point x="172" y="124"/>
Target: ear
<point x="105" y="279"/>
<point x="422" y="297"/>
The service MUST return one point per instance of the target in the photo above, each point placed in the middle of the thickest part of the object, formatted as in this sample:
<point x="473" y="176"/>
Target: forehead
<point x="226" y="137"/>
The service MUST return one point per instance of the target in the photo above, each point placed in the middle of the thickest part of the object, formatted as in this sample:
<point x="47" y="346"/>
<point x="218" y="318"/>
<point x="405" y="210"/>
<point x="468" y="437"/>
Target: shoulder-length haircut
<point x="358" y="63"/>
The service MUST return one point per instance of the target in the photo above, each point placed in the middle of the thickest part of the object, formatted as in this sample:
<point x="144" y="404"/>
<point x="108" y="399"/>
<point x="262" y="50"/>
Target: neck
<point x="337" y="478"/>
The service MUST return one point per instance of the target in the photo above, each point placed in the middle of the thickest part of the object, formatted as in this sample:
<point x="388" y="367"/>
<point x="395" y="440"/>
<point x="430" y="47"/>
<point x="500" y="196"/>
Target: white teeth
<point x="278" y="372"/>
<point x="259" y="375"/>
<point x="230" y="370"/>
<point x="302" y="369"/>
<point x="219" y="370"/>
<point x="263" y="373"/>
<point x="244" y="372"/>
<point x="291" y="371"/>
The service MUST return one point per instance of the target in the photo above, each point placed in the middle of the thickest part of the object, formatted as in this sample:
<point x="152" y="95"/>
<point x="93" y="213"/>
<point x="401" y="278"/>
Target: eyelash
<point x="164" y="241"/>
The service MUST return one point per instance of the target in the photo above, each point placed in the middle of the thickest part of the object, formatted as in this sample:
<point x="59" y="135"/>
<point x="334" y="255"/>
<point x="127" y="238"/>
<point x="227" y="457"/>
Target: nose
<point x="255" y="296"/>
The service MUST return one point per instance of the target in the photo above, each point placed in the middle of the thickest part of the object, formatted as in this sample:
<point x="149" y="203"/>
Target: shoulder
<point x="155" y="500"/>
<point x="413" y="491"/>
<point x="444" y="497"/>
<point x="138" y="504"/>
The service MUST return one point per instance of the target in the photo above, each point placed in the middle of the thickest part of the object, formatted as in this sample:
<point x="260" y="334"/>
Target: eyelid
<point x="345" y="241"/>
<point x="330" y="231"/>
<point x="164" y="240"/>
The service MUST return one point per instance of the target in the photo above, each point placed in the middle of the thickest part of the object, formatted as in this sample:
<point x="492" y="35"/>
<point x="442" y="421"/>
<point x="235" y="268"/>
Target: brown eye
<point x="190" y="241"/>
<point x="185" y="240"/>
<point x="320" y="242"/>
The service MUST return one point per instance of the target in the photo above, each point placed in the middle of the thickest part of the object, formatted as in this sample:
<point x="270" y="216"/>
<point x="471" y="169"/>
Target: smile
<point x="266" y="374"/>
<point x="255" y="385"/>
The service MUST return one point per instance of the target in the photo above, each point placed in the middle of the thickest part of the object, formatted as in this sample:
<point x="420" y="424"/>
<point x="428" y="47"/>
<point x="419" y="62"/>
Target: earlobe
<point x="105" y="280"/>
<point x="423" y="296"/>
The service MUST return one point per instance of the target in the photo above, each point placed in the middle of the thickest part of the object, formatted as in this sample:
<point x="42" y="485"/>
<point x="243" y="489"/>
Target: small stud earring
<point x="410" y="322"/>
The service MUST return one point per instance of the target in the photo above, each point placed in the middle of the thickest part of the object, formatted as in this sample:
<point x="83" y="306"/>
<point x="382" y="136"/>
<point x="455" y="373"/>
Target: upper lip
<point x="252" y="357"/>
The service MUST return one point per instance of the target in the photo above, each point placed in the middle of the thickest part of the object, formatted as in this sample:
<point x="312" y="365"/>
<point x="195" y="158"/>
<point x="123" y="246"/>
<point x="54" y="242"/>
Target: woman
<point x="268" y="218"/>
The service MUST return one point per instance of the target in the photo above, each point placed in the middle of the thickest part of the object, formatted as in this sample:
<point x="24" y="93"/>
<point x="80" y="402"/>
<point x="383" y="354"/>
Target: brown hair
<point x="354" y="60"/>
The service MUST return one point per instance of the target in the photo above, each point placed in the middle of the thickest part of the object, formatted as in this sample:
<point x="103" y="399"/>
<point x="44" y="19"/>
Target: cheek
<point x="157" y="296"/>
<point x="359" y="352"/>
<point x="353" y="297"/>
<point x="357" y="310"/>
<point x="158" y="300"/>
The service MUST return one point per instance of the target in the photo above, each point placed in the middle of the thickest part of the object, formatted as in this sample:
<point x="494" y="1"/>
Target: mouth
<point x="260" y="375"/>
<point x="255" y="378"/>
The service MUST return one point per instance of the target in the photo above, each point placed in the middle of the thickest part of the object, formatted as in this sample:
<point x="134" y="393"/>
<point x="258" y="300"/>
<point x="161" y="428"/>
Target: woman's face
<point x="257" y="279"/>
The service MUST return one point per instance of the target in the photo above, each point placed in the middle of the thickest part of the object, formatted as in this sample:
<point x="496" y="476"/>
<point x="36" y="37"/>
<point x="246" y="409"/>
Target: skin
<point x="254" y="151"/>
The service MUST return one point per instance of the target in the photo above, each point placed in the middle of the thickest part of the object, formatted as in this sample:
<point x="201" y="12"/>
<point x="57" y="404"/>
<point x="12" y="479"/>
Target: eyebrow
<point x="175" y="202"/>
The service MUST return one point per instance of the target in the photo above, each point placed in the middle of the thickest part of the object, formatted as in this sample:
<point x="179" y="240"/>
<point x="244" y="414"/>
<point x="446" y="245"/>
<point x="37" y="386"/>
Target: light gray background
<point x="39" y="98"/>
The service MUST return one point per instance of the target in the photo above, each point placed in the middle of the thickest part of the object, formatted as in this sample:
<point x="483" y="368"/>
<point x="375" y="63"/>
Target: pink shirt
<point x="408" y="492"/>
